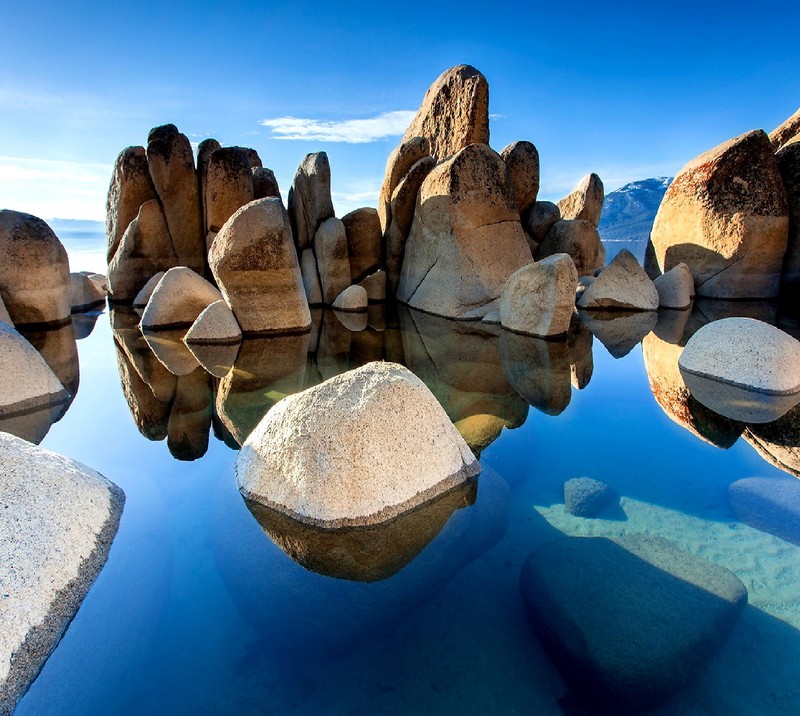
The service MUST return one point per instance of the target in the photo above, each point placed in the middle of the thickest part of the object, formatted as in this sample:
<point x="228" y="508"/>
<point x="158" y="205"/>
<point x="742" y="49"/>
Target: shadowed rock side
<point x="789" y="166"/>
<point x="229" y="186"/>
<point x="131" y="186"/>
<point x="363" y="554"/>
<point x="333" y="261"/>
<point x="400" y="161"/>
<point x="466" y="239"/>
<point x="144" y="250"/>
<point x="204" y="151"/>
<point x="256" y="268"/>
<point x="522" y="163"/>
<point x="359" y="449"/>
<point x="725" y="216"/>
<point x="363" y="230"/>
<point x="630" y="621"/>
<point x="778" y="442"/>
<point x="34" y="271"/>
<point x="454" y="112"/>
<point x="171" y="162"/>
<point x="577" y="238"/>
<point x="309" y="201"/>
<point x="265" y="184"/>
<point x="60" y="518"/>
<point x="461" y="365"/>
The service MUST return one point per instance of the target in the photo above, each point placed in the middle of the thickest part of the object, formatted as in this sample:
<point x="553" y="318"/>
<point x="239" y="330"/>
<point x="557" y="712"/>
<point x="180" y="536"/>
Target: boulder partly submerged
<point x="84" y="293"/>
<point x="622" y="286"/>
<point x="59" y="520"/>
<point x="215" y="325"/>
<point x="177" y="301"/>
<point x="361" y="448"/>
<point x="628" y="621"/>
<point x="743" y="369"/>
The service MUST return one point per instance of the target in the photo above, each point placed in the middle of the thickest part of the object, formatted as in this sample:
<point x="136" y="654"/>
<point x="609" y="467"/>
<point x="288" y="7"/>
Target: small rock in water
<point x="84" y="294"/>
<point x="585" y="497"/>
<point x="622" y="285"/>
<point x="353" y="298"/>
<point x="675" y="287"/>
<point x="216" y="324"/>
<point x="180" y="297"/>
<point x="629" y="622"/>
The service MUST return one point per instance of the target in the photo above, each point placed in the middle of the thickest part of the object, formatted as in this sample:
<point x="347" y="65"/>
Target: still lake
<point x="203" y="609"/>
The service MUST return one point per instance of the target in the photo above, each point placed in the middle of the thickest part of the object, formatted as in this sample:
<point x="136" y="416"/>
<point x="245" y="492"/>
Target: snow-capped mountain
<point x="628" y="213"/>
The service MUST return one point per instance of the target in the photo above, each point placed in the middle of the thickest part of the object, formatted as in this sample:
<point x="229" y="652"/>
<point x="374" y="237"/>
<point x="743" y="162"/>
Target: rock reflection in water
<point x="83" y="324"/>
<point x="33" y="425"/>
<point x="461" y="365"/>
<point x="171" y="351"/>
<point x="216" y="359"/>
<point x="189" y="421"/>
<point x="266" y="370"/>
<point x="60" y="351"/>
<point x="778" y="442"/>
<point x="363" y="554"/>
<point x="619" y="331"/>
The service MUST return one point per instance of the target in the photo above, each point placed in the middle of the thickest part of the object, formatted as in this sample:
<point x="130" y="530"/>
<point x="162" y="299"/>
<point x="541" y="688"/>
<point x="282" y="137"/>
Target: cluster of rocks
<point x="732" y="215"/>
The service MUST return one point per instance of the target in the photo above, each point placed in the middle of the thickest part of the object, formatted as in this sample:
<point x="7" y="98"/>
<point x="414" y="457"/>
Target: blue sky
<point x="627" y="90"/>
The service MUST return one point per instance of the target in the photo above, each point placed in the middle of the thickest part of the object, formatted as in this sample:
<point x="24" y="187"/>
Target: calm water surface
<point x="205" y="606"/>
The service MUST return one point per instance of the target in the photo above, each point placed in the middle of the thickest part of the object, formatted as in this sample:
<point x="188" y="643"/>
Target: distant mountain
<point x="75" y="226"/>
<point x="628" y="213"/>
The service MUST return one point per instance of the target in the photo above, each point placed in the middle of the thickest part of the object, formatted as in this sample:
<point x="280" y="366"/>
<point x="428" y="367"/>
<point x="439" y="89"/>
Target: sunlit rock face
<point x="454" y="112"/>
<point x="675" y="288"/>
<point x="743" y="369"/>
<point x="310" y="200"/>
<point x="785" y="132"/>
<point x="84" y="294"/>
<point x="363" y="554"/>
<point x="131" y="186"/>
<point x="725" y="216"/>
<point x="256" y="267"/>
<point x="358" y="449"/>
<point x="34" y="271"/>
<point x="466" y="239"/>
<point x="585" y="201"/>
<point x="171" y="163"/>
<point x="630" y="621"/>
<point x="59" y="519"/>
<point x="623" y="285"/>
<point x="178" y="299"/>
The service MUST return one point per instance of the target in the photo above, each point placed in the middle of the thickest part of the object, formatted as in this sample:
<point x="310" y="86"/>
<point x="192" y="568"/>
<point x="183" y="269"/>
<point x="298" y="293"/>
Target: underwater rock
<point x="743" y="369"/>
<point x="585" y="201"/>
<point x="256" y="268"/>
<point x="725" y="216"/>
<point x="585" y="497"/>
<point x="358" y="449"/>
<point x="522" y="164"/>
<point x="577" y="238"/>
<point x="309" y="202"/>
<point x="466" y="238"/>
<point x="34" y="271"/>
<point x="216" y="324"/>
<point x="621" y="286"/>
<point x="768" y="504"/>
<point x="630" y="621"/>
<point x="539" y="299"/>
<point x="60" y="518"/>
<point x="675" y="287"/>
<point x="180" y="297"/>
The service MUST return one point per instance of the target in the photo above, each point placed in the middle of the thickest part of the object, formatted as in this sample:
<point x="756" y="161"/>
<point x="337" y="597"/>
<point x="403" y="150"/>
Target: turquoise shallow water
<point x="199" y="610"/>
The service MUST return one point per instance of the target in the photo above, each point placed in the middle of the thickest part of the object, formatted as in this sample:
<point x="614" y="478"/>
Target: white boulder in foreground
<point x="26" y="381"/>
<point x="59" y="519"/>
<point x="358" y="449"/>
<point x="539" y="298"/>
<point x="743" y="369"/>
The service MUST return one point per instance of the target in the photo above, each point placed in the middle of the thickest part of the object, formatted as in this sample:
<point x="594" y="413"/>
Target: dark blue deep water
<point x="200" y="610"/>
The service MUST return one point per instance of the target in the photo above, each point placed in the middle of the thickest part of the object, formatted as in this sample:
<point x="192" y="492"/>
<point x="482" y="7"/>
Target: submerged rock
<point x="180" y="297"/>
<point x="743" y="369"/>
<point x="585" y="497"/>
<point x="622" y="285"/>
<point x="255" y="266"/>
<point x="629" y="622"/>
<point x="725" y="216"/>
<point x="585" y="202"/>
<point x="454" y="112"/>
<point x="768" y="504"/>
<point x="59" y="520"/>
<point x="466" y="239"/>
<point x="539" y="298"/>
<point x="34" y="271"/>
<point x="358" y="449"/>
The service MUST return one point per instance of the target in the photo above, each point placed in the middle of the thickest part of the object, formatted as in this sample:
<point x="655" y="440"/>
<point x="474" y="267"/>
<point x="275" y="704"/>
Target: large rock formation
<point x="577" y="238"/>
<point x="229" y="186"/>
<point x="454" y="112"/>
<point x="34" y="271"/>
<point x="522" y="163"/>
<point x="310" y="200"/>
<point x="622" y="285"/>
<point x="255" y="266"/>
<point x="400" y="161"/>
<point x="171" y="162"/>
<point x="466" y="239"/>
<point x="539" y="298"/>
<point x="585" y="201"/>
<point x="177" y="301"/>
<point x="725" y="216"/>
<point x="360" y="448"/>
<point x="789" y="166"/>
<point x="145" y="250"/>
<point x="59" y="520"/>
<point x="786" y="132"/>
<point x="131" y="186"/>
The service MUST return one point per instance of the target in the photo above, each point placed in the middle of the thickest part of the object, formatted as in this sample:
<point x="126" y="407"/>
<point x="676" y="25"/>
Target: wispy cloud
<point x="350" y="131"/>
<point x="47" y="188"/>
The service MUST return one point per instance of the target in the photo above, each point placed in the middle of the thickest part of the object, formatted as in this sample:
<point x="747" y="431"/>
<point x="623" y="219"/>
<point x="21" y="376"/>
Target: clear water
<point x="199" y="611"/>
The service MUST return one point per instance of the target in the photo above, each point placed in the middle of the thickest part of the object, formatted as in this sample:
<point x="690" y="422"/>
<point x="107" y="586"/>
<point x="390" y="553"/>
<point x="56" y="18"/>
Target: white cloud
<point x="47" y="188"/>
<point x="351" y="131"/>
